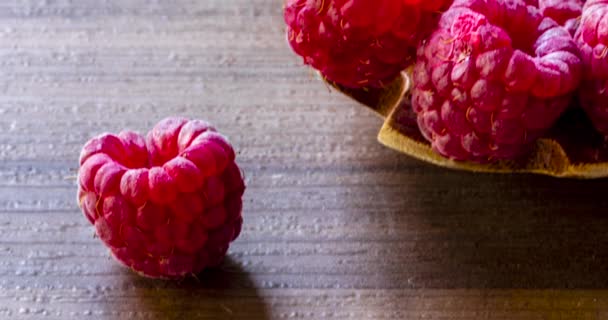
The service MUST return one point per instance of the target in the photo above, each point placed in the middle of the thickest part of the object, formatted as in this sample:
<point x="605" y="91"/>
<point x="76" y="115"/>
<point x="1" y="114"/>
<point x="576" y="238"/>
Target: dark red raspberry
<point x="167" y="206"/>
<point x="359" y="43"/>
<point x="592" y="39"/>
<point x="492" y="78"/>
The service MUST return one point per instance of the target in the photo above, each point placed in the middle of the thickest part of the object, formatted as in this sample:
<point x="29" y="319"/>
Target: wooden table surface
<point x="336" y="226"/>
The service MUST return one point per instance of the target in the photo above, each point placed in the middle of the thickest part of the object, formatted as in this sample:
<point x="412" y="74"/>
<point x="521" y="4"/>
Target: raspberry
<point x="167" y="205"/>
<point x="359" y="43"/>
<point x="492" y="78"/>
<point x="592" y="39"/>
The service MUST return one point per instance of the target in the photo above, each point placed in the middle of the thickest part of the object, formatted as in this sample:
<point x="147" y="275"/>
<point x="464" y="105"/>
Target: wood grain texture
<point x="336" y="226"/>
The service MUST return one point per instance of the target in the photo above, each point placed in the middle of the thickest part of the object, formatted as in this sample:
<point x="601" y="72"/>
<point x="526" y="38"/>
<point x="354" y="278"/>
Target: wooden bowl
<point x="572" y="148"/>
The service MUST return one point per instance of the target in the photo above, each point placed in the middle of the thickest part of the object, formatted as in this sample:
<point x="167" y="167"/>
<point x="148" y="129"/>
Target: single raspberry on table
<point x="592" y="38"/>
<point x="360" y="43"/>
<point x="492" y="78"/>
<point x="167" y="205"/>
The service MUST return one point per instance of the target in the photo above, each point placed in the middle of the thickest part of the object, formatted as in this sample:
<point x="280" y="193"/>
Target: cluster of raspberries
<point x="167" y="205"/>
<point x="490" y="77"/>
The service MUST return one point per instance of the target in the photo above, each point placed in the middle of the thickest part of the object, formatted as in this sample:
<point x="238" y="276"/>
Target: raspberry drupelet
<point x="565" y="12"/>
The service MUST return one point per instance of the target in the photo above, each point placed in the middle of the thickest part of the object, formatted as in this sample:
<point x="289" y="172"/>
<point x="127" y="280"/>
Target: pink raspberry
<point x="168" y="205"/>
<point x="359" y="43"/>
<point x="592" y="39"/>
<point x="492" y="78"/>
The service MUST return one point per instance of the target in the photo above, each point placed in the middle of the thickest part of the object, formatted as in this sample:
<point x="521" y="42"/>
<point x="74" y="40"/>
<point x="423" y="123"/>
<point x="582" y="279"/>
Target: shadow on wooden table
<point x="478" y="231"/>
<point x="223" y="293"/>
